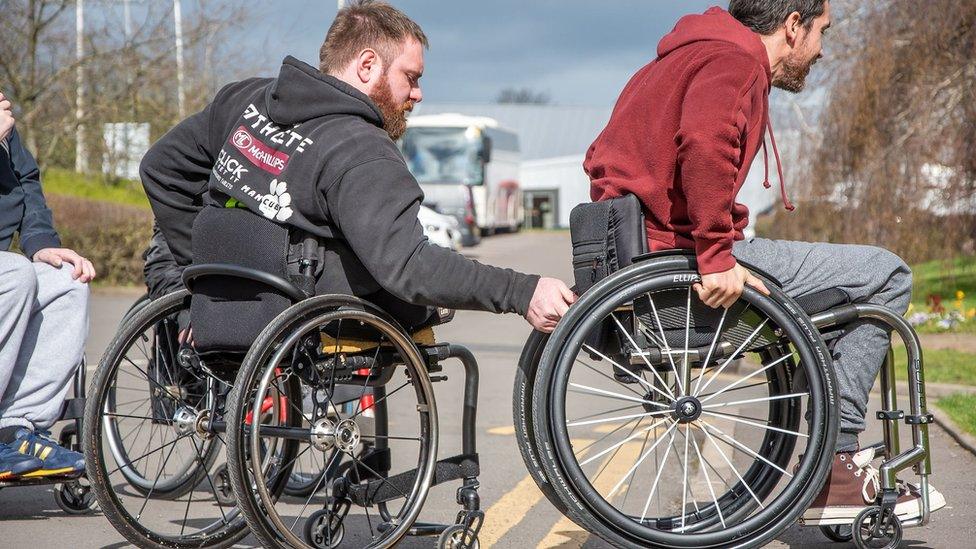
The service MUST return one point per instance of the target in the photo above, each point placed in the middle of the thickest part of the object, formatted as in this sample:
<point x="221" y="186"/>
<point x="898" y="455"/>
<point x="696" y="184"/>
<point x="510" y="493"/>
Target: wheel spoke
<point x="314" y="490"/>
<point x="618" y="418"/>
<point x="637" y="350"/>
<point x="617" y="381"/>
<point x="711" y="349"/>
<point x="685" y="374"/>
<point x="752" y="400"/>
<point x="657" y="477"/>
<point x="684" y="481"/>
<point x="643" y="456"/>
<point x="610" y="394"/>
<point x="622" y="408"/>
<point x="738" y="419"/>
<point x="210" y="481"/>
<point x="147" y="454"/>
<point x="735" y="353"/>
<point x="757" y="372"/>
<point x="727" y="439"/>
<point x="621" y="443"/>
<point x="664" y="339"/>
<point x="732" y="467"/>
<point x="155" y="482"/>
<point x="708" y="481"/>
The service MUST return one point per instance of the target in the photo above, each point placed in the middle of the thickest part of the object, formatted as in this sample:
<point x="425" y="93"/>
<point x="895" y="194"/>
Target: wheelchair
<point x="72" y="494"/>
<point x="720" y="423"/>
<point x="322" y="406"/>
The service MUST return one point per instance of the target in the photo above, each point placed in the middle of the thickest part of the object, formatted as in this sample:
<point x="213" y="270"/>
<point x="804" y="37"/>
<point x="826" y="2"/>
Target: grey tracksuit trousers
<point x="868" y="275"/>
<point x="43" y="328"/>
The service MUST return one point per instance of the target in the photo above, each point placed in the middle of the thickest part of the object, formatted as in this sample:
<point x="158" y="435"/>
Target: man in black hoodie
<point x="314" y="149"/>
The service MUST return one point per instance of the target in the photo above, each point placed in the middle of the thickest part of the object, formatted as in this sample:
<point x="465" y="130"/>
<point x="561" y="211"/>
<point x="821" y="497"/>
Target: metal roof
<point x="545" y="131"/>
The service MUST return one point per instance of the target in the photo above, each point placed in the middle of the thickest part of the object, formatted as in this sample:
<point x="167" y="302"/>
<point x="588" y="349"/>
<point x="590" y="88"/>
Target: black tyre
<point x="291" y="357"/>
<point x="132" y="436"/>
<point x="615" y="354"/>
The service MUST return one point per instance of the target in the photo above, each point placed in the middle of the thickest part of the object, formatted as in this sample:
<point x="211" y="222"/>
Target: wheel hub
<point x="687" y="409"/>
<point x="185" y="420"/>
<point x="323" y="436"/>
<point x="347" y="435"/>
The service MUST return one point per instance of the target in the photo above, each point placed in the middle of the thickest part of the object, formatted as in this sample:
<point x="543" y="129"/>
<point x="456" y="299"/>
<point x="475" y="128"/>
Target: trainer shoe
<point x="853" y="484"/>
<point x="57" y="461"/>
<point x="13" y="464"/>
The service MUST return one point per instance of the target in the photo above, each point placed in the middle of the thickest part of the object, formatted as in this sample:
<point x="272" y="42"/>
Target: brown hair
<point x="367" y="24"/>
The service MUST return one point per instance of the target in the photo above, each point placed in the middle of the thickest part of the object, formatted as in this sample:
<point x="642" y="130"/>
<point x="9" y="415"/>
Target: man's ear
<point x="793" y="24"/>
<point x="366" y="64"/>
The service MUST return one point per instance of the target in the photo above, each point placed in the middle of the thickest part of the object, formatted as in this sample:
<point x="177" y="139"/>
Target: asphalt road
<point x="517" y="514"/>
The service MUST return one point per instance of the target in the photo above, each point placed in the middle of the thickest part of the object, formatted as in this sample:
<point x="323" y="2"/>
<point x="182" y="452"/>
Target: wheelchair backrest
<point x="227" y="312"/>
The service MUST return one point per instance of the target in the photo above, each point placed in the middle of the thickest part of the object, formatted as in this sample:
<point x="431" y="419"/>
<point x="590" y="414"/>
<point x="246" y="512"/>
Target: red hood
<point x="714" y="24"/>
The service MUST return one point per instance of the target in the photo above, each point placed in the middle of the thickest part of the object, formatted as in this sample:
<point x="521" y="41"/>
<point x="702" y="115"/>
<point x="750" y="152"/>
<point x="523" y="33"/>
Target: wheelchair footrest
<point x="397" y="486"/>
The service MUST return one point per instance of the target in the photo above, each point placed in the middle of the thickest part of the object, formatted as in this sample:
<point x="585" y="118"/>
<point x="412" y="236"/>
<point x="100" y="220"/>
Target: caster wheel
<point x="75" y="499"/>
<point x="222" y="488"/>
<point x="890" y="533"/>
<point x="319" y="533"/>
<point x="838" y="533"/>
<point x="453" y="538"/>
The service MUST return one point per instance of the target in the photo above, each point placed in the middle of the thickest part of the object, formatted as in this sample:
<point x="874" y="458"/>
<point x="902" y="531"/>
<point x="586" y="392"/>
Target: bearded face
<point x="394" y="112"/>
<point x="796" y="67"/>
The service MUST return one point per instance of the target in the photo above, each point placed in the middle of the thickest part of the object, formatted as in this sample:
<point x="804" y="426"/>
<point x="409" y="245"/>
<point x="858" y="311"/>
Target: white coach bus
<point x="468" y="168"/>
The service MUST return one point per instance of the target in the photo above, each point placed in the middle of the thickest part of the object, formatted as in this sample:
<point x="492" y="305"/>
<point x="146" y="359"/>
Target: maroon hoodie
<point x="684" y="133"/>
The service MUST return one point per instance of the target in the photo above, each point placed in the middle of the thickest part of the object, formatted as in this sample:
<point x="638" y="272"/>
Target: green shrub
<point x="112" y="236"/>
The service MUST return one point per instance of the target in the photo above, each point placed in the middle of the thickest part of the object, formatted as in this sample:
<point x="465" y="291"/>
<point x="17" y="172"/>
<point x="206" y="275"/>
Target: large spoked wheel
<point x="147" y="454"/>
<point x="661" y="422"/>
<point x="322" y="347"/>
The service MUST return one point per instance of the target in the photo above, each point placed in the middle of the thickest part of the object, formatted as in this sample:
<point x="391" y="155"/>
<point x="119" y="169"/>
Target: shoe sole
<point x="907" y="510"/>
<point x="64" y="471"/>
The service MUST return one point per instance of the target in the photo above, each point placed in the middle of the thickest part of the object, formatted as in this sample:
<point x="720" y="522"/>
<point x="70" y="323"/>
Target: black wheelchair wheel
<point x="528" y="365"/>
<point x="640" y="372"/>
<point x="314" y="348"/>
<point x="148" y="461"/>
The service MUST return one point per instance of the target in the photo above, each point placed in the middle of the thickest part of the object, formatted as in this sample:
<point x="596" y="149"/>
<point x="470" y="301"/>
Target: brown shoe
<point x="853" y="484"/>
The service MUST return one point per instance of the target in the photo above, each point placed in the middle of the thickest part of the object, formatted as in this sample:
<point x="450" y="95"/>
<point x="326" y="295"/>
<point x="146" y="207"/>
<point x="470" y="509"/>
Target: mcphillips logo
<point x="258" y="153"/>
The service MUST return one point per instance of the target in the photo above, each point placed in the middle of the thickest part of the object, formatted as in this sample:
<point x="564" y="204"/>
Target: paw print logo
<point x="276" y="205"/>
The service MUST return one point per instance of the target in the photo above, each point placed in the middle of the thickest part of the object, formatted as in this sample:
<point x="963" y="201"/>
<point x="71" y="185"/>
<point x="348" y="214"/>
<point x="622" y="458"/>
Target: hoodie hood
<point x="301" y="93"/>
<point x="718" y="25"/>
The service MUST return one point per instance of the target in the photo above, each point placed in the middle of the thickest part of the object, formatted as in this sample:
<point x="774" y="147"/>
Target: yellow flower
<point x="911" y="307"/>
<point x="959" y="304"/>
<point x="960" y="295"/>
<point x="971" y="313"/>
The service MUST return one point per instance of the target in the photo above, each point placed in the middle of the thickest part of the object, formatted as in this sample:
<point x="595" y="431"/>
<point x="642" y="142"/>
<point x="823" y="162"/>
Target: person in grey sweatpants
<point x="43" y="318"/>
<point x="867" y="274"/>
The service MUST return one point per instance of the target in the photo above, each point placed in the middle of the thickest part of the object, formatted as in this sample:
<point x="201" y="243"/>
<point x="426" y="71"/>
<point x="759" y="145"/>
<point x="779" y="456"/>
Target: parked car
<point x="441" y="229"/>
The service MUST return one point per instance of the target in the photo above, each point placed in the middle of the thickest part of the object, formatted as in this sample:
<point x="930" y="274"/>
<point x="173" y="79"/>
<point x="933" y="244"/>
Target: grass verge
<point x="961" y="409"/>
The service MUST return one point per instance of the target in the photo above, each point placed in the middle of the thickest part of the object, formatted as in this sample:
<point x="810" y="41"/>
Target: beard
<point x="394" y="113"/>
<point x="795" y="72"/>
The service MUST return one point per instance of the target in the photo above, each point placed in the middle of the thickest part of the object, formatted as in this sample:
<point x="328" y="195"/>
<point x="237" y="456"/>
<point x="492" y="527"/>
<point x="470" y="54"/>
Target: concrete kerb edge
<point x="964" y="439"/>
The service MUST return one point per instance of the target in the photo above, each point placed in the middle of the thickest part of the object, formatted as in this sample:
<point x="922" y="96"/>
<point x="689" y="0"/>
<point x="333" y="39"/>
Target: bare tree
<point x="522" y="96"/>
<point x="895" y="162"/>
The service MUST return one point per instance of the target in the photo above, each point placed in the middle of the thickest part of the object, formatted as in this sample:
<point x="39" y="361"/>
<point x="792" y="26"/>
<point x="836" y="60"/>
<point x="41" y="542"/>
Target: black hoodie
<point x="308" y="150"/>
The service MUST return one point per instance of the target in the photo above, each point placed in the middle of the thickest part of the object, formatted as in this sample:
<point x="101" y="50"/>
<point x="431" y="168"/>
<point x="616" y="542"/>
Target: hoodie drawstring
<point x="779" y="167"/>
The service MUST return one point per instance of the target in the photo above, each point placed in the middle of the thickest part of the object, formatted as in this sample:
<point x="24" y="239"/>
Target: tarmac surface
<point x="517" y="513"/>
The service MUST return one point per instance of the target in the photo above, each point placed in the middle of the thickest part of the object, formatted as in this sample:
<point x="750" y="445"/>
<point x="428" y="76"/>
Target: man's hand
<point x="723" y="289"/>
<point x="84" y="271"/>
<point x="6" y="118"/>
<point x="550" y="302"/>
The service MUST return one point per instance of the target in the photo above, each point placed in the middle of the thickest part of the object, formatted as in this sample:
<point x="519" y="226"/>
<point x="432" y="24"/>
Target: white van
<point x="468" y="168"/>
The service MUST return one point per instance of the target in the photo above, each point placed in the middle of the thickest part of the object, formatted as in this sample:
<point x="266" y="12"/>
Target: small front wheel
<point x="457" y="536"/>
<point x="75" y="499"/>
<point x="223" y="492"/>
<point x="323" y="529"/>
<point x="838" y="533"/>
<point x="869" y="534"/>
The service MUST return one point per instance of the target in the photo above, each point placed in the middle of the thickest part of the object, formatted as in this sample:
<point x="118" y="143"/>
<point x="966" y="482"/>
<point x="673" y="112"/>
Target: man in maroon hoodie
<point x="683" y="136"/>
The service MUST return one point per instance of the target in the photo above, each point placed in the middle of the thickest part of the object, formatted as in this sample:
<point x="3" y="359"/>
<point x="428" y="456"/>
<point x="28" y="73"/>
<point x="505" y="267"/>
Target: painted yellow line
<point x="505" y="430"/>
<point x="512" y="508"/>
<point x="566" y="534"/>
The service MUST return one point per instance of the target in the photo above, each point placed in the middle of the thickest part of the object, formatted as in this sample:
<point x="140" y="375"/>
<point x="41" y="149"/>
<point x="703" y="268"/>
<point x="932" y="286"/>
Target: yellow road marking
<point x="566" y="534"/>
<point x="512" y="507"/>
<point x="506" y="430"/>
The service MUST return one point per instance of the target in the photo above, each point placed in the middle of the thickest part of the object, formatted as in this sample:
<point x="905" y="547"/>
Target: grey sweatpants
<point x="43" y="327"/>
<point x="868" y="275"/>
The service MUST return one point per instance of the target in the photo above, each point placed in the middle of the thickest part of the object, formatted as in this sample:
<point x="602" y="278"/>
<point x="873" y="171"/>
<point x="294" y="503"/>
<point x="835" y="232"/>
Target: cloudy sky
<point x="580" y="52"/>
